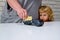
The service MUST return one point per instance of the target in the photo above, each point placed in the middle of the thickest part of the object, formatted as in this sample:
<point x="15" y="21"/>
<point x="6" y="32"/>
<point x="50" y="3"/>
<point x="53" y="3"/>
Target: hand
<point x="22" y="13"/>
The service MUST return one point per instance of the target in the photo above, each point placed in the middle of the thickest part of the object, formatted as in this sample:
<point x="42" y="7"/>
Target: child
<point x="45" y="13"/>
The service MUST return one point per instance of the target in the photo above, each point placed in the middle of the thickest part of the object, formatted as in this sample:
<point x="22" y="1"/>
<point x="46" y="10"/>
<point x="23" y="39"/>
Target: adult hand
<point x="22" y="13"/>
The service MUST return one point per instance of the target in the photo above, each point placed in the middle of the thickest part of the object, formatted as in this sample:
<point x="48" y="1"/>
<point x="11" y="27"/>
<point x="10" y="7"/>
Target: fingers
<point x="20" y="15"/>
<point x="24" y="14"/>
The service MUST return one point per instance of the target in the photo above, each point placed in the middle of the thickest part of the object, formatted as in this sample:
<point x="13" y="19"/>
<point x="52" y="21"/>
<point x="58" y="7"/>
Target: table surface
<point x="19" y="31"/>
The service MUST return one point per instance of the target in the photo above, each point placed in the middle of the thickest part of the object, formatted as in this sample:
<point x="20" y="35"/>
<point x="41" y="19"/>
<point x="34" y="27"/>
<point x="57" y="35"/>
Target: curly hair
<point x="48" y="10"/>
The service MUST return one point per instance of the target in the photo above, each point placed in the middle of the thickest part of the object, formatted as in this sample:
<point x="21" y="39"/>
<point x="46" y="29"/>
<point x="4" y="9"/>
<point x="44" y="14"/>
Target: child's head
<point x="45" y="13"/>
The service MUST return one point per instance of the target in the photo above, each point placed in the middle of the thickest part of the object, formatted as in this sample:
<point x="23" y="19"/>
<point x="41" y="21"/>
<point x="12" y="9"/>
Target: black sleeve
<point x="8" y="6"/>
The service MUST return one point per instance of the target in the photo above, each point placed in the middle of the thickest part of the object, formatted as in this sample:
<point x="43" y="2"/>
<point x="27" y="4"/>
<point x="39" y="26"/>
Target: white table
<point x="17" y="31"/>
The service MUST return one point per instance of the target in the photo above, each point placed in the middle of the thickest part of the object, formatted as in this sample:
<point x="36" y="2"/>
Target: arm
<point x="22" y="13"/>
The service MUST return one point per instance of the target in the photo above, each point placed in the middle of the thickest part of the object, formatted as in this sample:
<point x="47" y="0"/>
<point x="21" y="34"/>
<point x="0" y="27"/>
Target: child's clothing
<point x="10" y="16"/>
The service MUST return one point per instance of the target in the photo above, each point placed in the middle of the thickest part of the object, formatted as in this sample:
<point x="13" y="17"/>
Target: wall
<point x="2" y="2"/>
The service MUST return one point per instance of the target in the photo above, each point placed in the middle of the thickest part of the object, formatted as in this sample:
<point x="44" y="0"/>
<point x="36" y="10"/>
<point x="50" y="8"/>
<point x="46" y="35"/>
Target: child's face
<point x="44" y="16"/>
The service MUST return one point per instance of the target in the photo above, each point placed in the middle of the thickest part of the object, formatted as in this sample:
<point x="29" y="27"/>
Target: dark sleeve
<point x="8" y="7"/>
<point x="21" y="2"/>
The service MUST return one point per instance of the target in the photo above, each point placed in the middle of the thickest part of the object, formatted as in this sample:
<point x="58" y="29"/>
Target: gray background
<point x="54" y="4"/>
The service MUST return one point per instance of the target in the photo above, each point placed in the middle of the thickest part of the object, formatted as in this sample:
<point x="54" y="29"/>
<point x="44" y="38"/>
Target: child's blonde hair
<point x="48" y="10"/>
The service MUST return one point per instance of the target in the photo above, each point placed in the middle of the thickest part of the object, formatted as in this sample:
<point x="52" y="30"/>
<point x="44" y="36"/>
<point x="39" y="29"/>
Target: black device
<point x="35" y="22"/>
